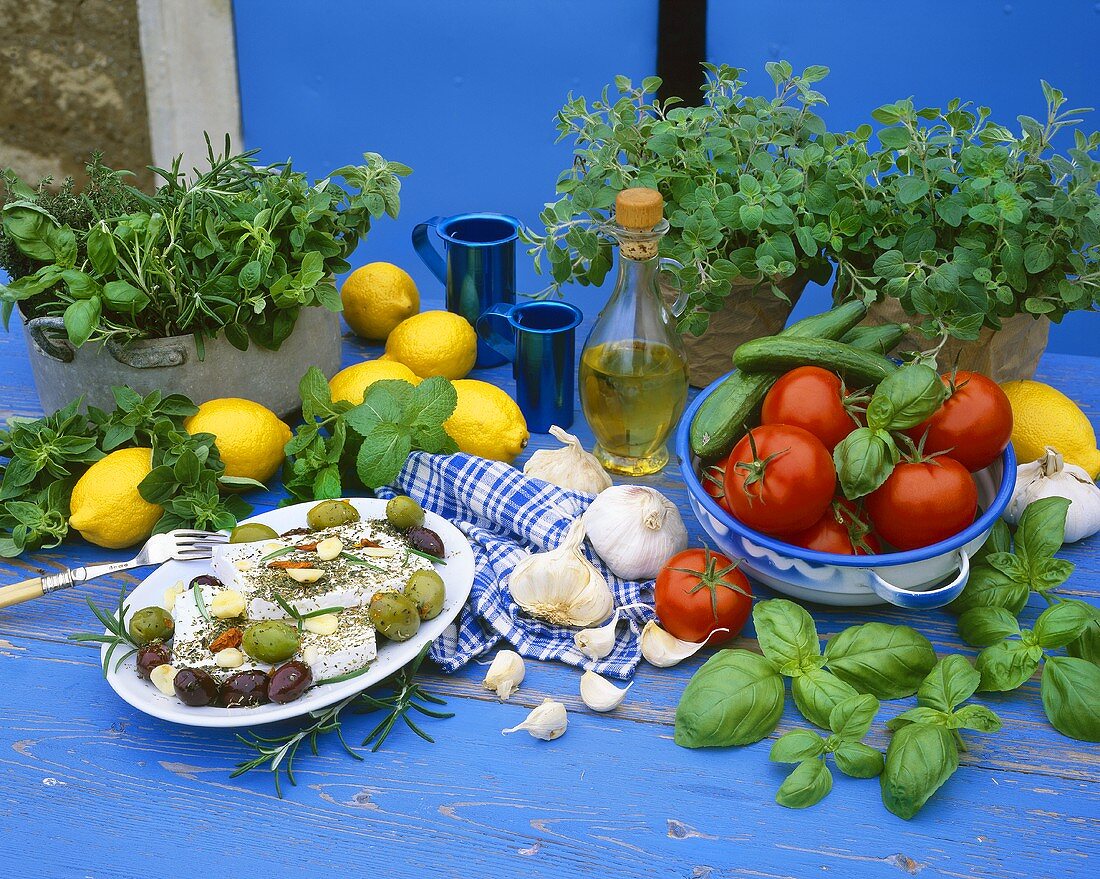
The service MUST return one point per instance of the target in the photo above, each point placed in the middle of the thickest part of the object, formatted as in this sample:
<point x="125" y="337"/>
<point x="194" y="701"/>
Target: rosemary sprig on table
<point x="118" y="636"/>
<point x="277" y="754"/>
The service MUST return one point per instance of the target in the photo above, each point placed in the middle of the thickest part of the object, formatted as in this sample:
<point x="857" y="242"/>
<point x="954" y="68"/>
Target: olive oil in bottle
<point x="633" y="370"/>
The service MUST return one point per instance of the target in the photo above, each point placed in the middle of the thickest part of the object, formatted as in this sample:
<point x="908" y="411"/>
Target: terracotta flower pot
<point x="748" y="313"/>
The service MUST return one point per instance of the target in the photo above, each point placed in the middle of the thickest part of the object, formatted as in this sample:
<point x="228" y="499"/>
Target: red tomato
<point x="923" y="503"/>
<point x="713" y="479"/>
<point x="841" y="530"/>
<point x="779" y="479"/>
<point x="815" y="400"/>
<point x="699" y="591"/>
<point x="973" y="426"/>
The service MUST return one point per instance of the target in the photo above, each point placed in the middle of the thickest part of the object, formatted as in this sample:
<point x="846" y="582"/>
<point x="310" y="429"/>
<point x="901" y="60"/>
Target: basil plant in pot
<point x="746" y="197"/>
<point x="982" y="234"/>
<point x="218" y="284"/>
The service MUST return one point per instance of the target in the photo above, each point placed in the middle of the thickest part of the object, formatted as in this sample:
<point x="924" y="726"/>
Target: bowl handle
<point x="922" y="600"/>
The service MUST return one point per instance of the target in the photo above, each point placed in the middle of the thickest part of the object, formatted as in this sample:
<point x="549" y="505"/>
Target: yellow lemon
<point x="434" y="343"/>
<point x="106" y="507"/>
<point x="487" y="422"/>
<point x="350" y="384"/>
<point x="1043" y="416"/>
<point x="377" y="297"/>
<point x="249" y="437"/>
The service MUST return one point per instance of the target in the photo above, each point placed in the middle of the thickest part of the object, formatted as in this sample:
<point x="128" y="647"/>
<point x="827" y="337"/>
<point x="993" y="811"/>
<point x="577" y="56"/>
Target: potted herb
<point x="219" y="284"/>
<point x="745" y="190"/>
<point x="984" y="235"/>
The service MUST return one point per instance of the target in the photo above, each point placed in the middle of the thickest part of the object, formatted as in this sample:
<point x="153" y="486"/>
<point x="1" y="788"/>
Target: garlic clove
<point x="547" y="722"/>
<point x="600" y="694"/>
<point x="329" y="548"/>
<point x="568" y="467"/>
<point x="305" y="575"/>
<point x="635" y="530"/>
<point x="597" y="643"/>
<point x="663" y="650"/>
<point x="323" y="624"/>
<point x="561" y="586"/>
<point x="505" y="674"/>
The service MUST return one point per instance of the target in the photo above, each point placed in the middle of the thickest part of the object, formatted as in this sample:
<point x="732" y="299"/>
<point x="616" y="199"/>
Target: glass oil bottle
<point x="633" y="369"/>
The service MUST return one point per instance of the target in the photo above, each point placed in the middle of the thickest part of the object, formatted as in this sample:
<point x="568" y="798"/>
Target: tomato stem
<point x="756" y="468"/>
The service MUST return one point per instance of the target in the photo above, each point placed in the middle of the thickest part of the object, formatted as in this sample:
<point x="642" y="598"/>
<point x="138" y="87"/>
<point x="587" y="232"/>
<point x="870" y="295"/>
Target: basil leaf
<point x="858" y="760"/>
<point x="81" y="318"/>
<point x="796" y="746"/>
<point x="101" y="249"/>
<point x="1088" y="645"/>
<point x="1042" y="528"/>
<point x="1047" y="574"/>
<point x="787" y="635"/>
<point x="990" y="587"/>
<point x="1007" y="665"/>
<point x="816" y="692"/>
<point x="905" y="398"/>
<point x="1061" y="623"/>
<point x="735" y="698"/>
<point x="810" y="782"/>
<point x="920" y="714"/>
<point x="852" y="718"/>
<point x="887" y="661"/>
<point x="983" y="626"/>
<point x="919" y="760"/>
<point x="1069" y="689"/>
<point x="124" y="296"/>
<point x="976" y="717"/>
<point x="951" y="682"/>
<point x="999" y="540"/>
<point x="863" y="460"/>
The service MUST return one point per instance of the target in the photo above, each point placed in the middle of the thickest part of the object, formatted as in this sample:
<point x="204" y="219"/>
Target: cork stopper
<point x="639" y="208"/>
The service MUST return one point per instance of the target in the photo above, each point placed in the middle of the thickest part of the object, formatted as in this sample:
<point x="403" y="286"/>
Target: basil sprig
<point x="924" y="751"/>
<point x="811" y="781"/>
<point x="866" y="457"/>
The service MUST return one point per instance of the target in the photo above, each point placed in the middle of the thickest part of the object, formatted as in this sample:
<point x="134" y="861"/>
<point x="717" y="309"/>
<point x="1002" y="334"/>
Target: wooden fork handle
<point x="17" y="593"/>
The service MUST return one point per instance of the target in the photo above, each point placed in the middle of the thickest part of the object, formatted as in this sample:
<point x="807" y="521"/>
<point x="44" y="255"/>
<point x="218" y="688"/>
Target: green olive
<point x="425" y="590"/>
<point x="330" y="514"/>
<point x="270" y="641"/>
<point x="151" y="624"/>
<point x="251" y="532"/>
<point x="404" y="513"/>
<point x="395" y="616"/>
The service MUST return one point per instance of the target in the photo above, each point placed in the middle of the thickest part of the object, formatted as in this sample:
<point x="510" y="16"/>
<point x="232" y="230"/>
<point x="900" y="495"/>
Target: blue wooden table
<point x="91" y="787"/>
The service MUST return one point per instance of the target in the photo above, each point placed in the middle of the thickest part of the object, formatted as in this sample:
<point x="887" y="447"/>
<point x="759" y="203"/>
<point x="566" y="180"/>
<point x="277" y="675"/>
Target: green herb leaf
<point x="889" y="662"/>
<point x="817" y="692"/>
<point x="796" y="746"/>
<point x="919" y="760"/>
<point x="787" y="635"/>
<point x="735" y="698"/>
<point x="1062" y="623"/>
<point x="864" y="459"/>
<point x="810" y="782"/>
<point x="905" y="398"/>
<point x="851" y="719"/>
<point x="858" y="760"/>
<point x="951" y="682"/>
<point x="1069" y="690"/>
<point x="976" y="717"/>
<point x="1005" y="666"/>
<point x="983" y="626"/>
<point x="1042" y="528"/>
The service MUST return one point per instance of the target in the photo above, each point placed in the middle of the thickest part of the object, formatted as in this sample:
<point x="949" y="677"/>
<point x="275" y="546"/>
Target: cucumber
<point x="777" y="354"/>
<point x="721" y="419"/>
<point x="881" y="339"/>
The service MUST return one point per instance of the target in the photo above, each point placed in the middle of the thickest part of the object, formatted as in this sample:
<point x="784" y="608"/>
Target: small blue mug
<point x="478" y="268"/>
<point x="540" y="339"/>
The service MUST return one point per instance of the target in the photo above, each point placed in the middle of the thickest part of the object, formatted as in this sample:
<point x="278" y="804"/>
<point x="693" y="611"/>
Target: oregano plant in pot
<point x="746" y="196"/>
<point x="981" y="233"/>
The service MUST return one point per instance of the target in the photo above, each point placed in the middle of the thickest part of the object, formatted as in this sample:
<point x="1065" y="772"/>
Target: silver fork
<point x="180" y="545"/>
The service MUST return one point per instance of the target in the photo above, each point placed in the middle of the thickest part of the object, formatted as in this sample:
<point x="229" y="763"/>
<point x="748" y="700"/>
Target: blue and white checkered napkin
<point x="506" y="516"/>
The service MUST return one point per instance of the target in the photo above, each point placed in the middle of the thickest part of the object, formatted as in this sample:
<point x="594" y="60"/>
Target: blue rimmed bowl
<point x="920" y="578"/>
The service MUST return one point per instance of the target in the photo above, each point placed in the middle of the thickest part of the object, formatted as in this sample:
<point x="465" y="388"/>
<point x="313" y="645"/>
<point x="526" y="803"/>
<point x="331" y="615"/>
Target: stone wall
<point x="72" y="82"/>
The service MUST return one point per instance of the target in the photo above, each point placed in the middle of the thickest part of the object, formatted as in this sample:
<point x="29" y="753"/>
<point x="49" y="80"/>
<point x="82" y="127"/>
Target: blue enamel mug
<point x="477" y="267"/>
<point x="540" y="338"/>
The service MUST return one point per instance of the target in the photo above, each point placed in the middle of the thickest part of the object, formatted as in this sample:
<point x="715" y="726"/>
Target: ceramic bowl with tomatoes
<point x="794" y="534"/>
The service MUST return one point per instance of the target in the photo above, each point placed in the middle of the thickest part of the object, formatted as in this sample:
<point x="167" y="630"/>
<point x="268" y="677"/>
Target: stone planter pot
<point x="748" y="313"/>
<point x="1008" y="354"/>
<point x="63" y="373"/>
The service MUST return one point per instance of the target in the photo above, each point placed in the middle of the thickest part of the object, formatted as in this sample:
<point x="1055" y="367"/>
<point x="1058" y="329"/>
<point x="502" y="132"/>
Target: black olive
<point x="425" y="540"/>
<point x="289" y="681"/>
<point x="150" y="655"/>
<point x="195" y="687"/>
<point x="245" y="689"/>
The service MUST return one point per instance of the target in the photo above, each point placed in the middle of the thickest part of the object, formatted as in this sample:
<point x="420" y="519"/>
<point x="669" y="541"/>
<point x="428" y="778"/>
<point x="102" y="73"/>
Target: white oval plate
<point x="458" y="579"/>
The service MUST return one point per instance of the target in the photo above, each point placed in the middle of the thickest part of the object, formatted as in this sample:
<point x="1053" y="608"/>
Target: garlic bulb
<point x="561" y="586"/>
<point x="597" y="643"/>
<point x="570" y="466"/>
<point x="600" y="694"/>
<point x="547" y="722"/>
<point x="663" y="650"/>
<point x="635" y="530"/>
<point x="505" y="674"/>
<point x="1051" y="476"/>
